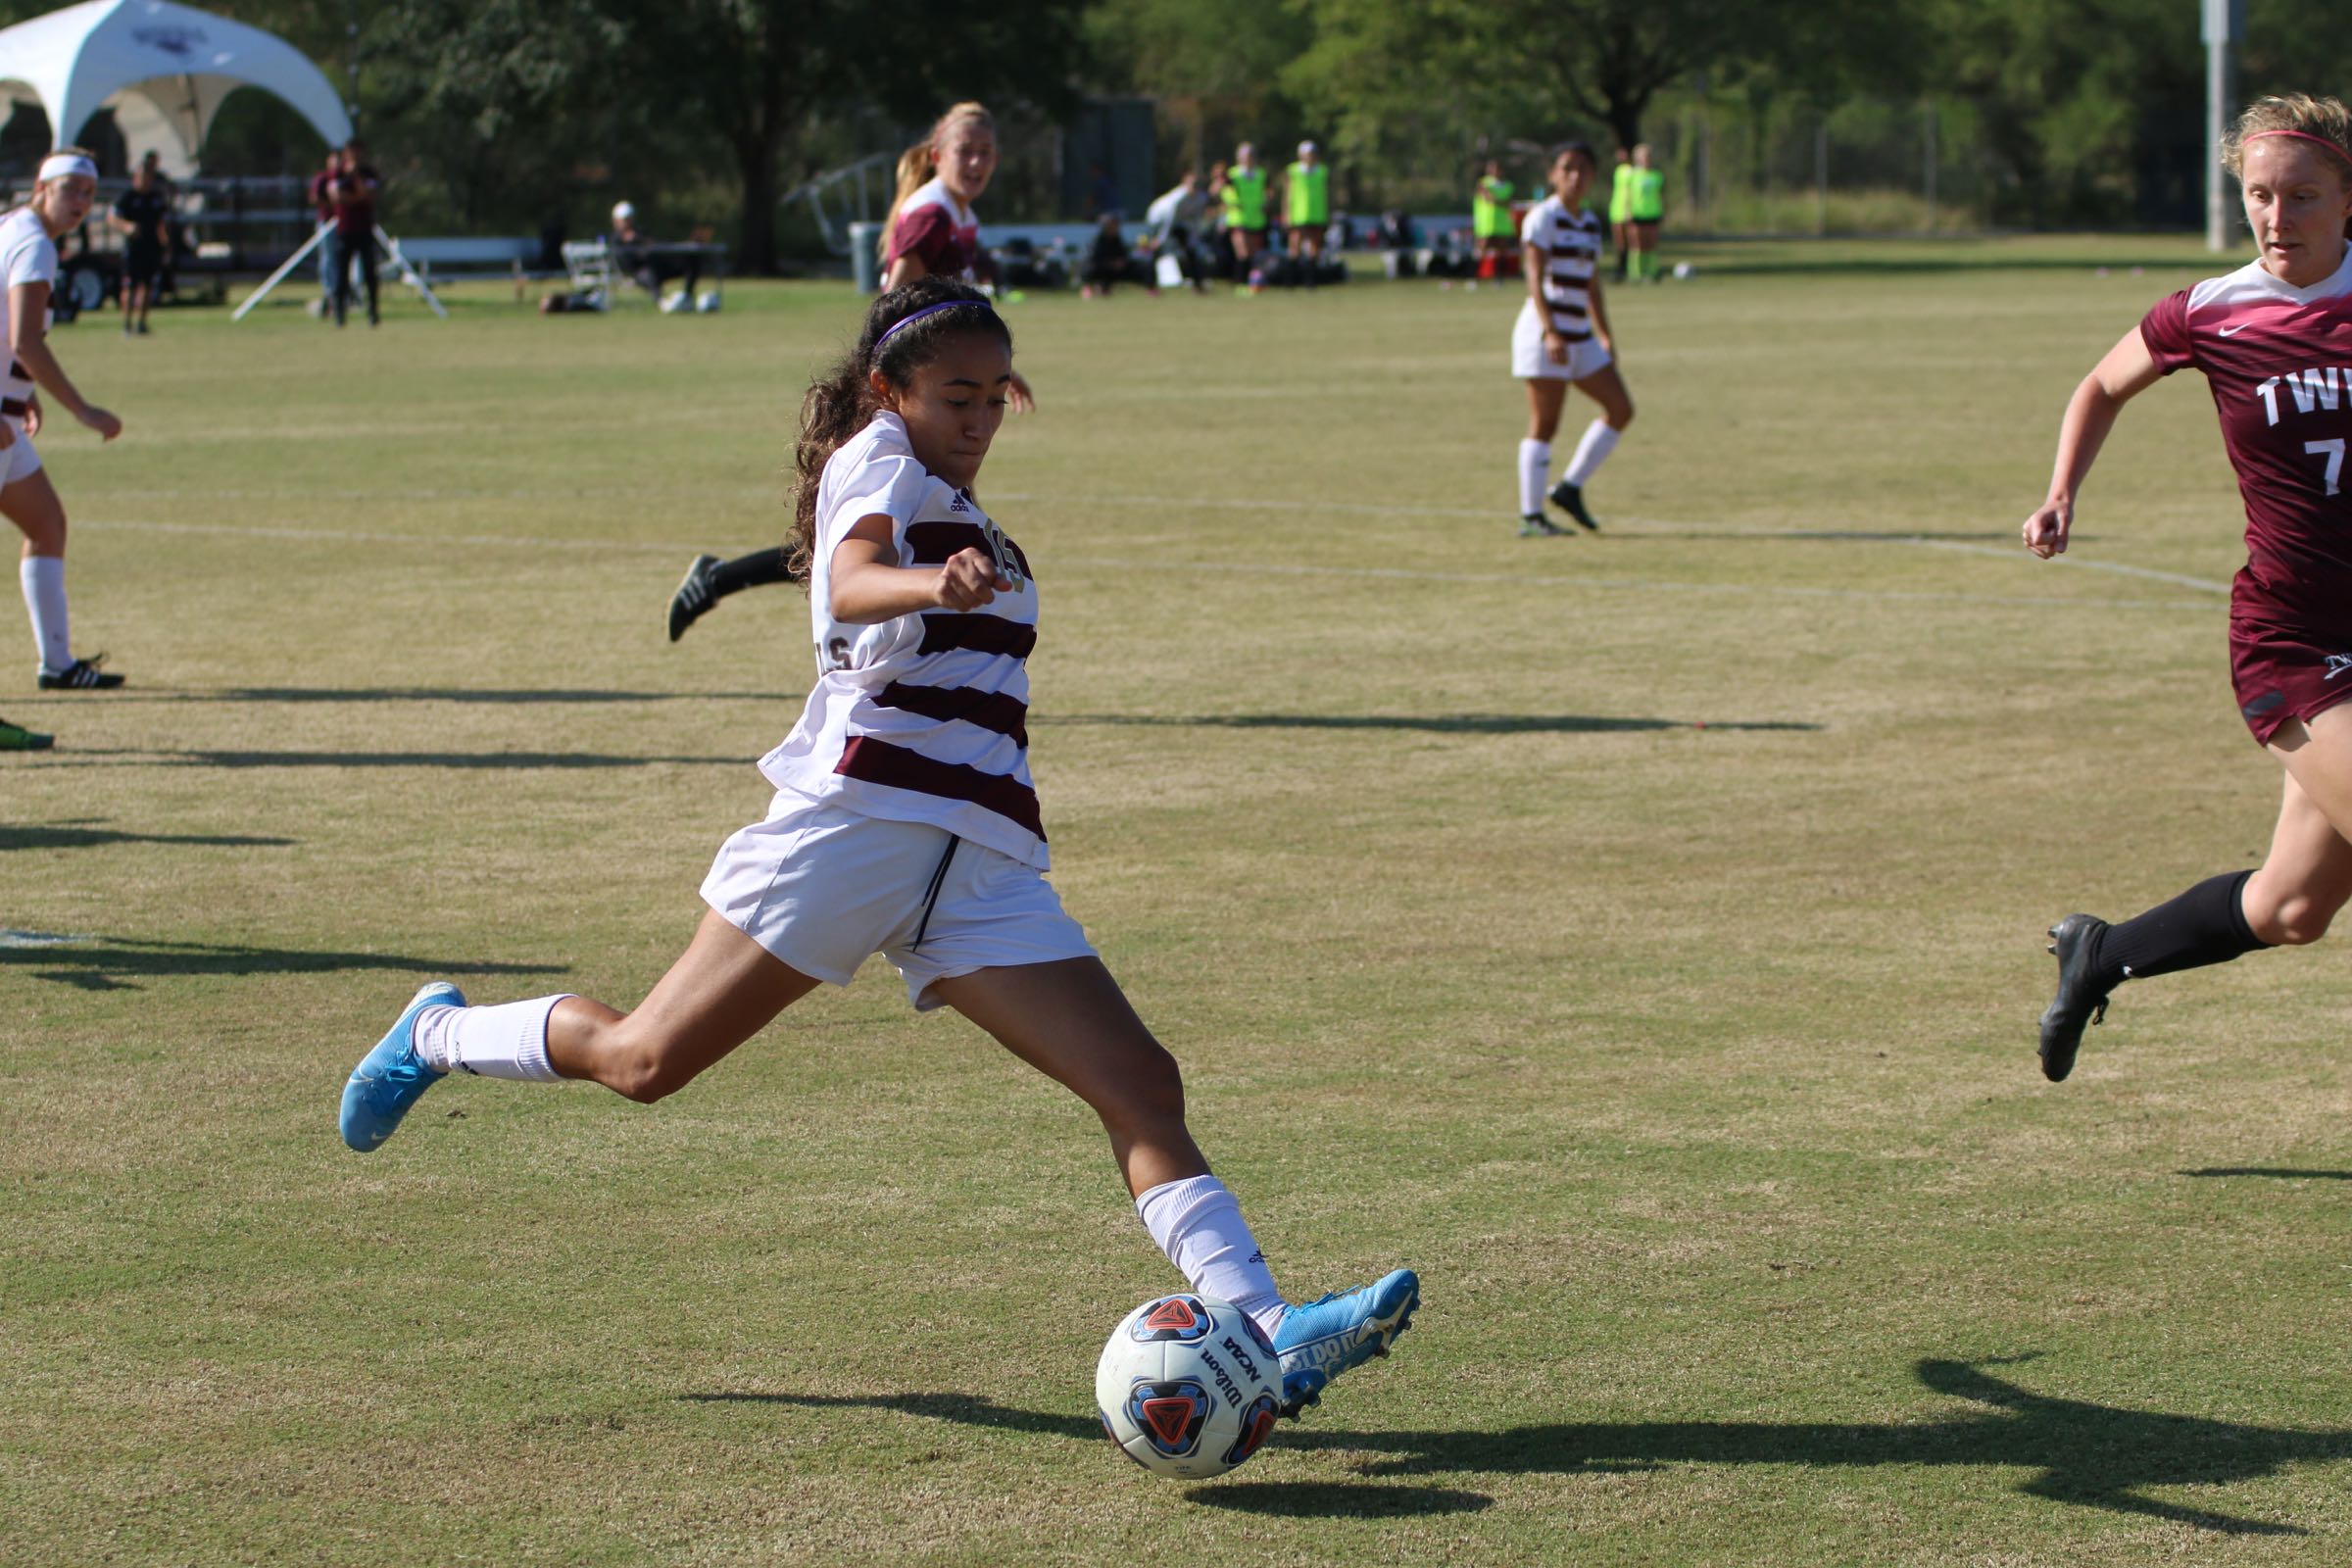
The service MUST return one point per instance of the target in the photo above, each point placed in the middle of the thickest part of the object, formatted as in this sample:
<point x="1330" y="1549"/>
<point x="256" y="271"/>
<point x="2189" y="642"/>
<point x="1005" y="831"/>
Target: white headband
<point x="56" y="166"/>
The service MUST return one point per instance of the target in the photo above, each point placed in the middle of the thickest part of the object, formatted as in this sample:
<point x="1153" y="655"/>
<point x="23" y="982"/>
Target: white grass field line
<point x="1294" y="570"/>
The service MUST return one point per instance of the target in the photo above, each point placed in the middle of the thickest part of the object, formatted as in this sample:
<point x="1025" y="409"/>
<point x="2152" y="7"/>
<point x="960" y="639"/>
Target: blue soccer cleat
<point x="390" y="1078"/>
<point x="1321" y="1339"/>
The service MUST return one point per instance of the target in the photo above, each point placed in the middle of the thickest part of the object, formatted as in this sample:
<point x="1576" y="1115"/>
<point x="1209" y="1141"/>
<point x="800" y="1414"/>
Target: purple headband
<point x="913" y="317"/>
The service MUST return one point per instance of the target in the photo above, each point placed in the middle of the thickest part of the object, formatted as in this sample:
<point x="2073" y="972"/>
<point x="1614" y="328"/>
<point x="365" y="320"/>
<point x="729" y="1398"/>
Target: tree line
<point x="509" y="114"/>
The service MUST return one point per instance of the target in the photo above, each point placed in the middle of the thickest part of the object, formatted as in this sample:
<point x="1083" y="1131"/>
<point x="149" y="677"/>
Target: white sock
<point x="1535" y="466"/>
<point x="508" y="1040"/>
<point x="1590" y="452"/>
<point x="44" y="581"/>
<point x="1199" y="1224"/>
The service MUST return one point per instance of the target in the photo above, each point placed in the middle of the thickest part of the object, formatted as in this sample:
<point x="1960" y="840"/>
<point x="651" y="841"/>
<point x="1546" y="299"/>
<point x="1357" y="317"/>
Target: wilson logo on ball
<point x="1169" y="1414"/>
<point x="1178" y="1318"/>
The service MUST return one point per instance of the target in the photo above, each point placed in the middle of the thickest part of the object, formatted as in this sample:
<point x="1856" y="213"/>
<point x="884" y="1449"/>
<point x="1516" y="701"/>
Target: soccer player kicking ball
<point x="904" y="823"/>
<point x="2269" y="338"/>
<point x="1561" y="340"/>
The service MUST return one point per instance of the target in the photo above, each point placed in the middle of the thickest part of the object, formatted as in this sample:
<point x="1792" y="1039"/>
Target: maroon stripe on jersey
<point x="932" y="543"/>
<point x="991" y="711"/>
<point x="981" y="634"/>
<point x="876" y="762"/>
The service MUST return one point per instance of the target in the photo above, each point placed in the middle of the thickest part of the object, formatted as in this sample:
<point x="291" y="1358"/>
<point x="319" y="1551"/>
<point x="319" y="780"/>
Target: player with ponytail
<point x="905" y="822"/>
<point x="930" y="231"/>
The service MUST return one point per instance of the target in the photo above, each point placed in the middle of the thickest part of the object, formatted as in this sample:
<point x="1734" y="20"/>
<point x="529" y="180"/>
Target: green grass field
<point x="1638" y="935"/>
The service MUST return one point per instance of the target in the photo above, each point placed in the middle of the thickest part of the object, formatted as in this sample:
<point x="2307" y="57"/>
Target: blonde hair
<point x="2324" y="120"/>
<point x="916" y="163"/>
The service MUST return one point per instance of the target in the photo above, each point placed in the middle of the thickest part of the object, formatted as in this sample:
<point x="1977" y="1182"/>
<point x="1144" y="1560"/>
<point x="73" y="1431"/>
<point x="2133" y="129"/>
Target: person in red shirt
<point x="2274" y="340"/>
<point x="352" y="190"/>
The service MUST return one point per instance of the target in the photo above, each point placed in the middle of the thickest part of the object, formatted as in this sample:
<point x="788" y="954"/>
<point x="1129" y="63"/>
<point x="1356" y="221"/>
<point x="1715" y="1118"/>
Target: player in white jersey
<point x="904" y="823"/>
<point x="1562" y="339"/>
<point x="61" y="200"/>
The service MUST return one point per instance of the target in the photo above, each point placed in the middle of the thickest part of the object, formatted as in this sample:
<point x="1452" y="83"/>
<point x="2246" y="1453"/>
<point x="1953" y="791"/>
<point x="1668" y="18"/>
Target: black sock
<point x="755" y="571"/>
<point x="2204" y="925"/>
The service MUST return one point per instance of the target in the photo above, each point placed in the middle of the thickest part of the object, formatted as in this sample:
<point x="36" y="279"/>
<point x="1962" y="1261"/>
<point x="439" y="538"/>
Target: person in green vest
<point x="1648" y="210"/>
<point x="1621" y="209"/>
<point x="1242" y="193"/>
<point x="1306" y="207"/>
<point x="1490" y="223"/>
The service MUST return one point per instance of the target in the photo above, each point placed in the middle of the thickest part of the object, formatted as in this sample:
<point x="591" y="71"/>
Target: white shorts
<point x="1527" y="361"/>
<point x="18" y="460"/>
<point x="823" y="888"/>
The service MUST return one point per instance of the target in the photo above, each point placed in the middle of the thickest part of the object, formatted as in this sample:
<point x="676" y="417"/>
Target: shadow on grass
<point x="108" y="964"/>
<point x="2286" y="1174"/>
<point x="78" y="836"/>
<point x="94" y="756"/>
<point x="1336" y="1499"/>
<point x="1435" y="724"/>
<point x="2089" y="1455"/>
<point x="430" y="694"/>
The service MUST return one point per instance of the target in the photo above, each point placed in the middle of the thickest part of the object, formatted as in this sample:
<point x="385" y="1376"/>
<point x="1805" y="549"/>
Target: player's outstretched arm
<point x="29" y="338"/>
<point x="2127" y="370"/>
<point x="868" y="586"/>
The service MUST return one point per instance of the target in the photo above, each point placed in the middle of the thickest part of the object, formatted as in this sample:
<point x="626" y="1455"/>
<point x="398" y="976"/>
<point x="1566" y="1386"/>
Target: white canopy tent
<point x="163" y="68"/>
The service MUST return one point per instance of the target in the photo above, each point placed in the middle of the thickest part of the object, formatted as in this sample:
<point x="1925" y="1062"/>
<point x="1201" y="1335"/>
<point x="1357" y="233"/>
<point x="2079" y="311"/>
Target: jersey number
<point x="1008" y="561"/>
<point x="2335" y="459"/>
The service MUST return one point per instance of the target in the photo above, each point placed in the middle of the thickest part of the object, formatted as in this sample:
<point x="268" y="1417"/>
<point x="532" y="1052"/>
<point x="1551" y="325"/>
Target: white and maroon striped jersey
<point x="1570" y="239"/>
<point x="2278" y="361"/>
<point x="923" y="719"/>
<point x="28" y="255"/>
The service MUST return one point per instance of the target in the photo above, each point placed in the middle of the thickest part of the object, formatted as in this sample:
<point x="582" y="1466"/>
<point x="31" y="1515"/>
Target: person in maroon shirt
<point x="352" y="190"/>
<point x="2274" y="342"/>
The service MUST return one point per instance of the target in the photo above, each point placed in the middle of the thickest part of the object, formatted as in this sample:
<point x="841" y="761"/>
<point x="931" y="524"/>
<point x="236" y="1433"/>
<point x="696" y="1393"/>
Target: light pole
<point x="2224" y="25"/>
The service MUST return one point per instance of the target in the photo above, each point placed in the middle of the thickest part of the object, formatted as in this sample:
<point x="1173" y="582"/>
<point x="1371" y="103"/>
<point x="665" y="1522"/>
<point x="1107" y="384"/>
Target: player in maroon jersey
<point x="2274" y="341"/>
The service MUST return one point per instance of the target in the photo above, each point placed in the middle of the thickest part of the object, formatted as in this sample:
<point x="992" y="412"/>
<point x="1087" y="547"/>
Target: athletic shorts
<point x="18" y="460"/>
<point x="823" y="889"/>
<point x="142" y="259"/>
<point x="2286" y="674"/>
<point x="1529" y="363"/>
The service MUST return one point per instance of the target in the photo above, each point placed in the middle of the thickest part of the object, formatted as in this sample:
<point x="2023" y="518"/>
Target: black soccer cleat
<point x="1570" y="498"/>
<point x="81" y="676"/>
<point x="696" y="595"/>
<point x="2078" y="1003"/>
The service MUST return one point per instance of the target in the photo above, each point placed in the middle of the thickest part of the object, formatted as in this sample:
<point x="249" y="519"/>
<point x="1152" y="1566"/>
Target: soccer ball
<point x="1188" y="1386"/>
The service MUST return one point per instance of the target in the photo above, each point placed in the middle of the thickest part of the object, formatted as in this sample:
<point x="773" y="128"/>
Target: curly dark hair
<point x="839" y="403"/>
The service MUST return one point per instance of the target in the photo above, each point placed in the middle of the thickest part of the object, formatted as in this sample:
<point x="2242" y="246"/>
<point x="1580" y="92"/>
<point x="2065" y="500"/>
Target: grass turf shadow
<point x="2282" y="1174"/>
<point x="1433" y="724"/>
<point x="96" y="756"/>
<point x="108" y="964"/>
<point x="77" y="836"/>
<point x="2088" y="1456"/>
<point x="1279" y="1498"/>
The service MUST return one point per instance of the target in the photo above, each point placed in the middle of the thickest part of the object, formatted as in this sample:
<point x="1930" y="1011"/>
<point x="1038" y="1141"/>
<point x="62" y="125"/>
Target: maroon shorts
<point x="2283" y="673"/>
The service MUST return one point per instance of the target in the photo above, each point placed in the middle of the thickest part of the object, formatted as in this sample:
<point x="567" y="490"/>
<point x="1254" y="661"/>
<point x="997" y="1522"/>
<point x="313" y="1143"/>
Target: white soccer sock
<point x="1535" y="466"/>
<point x="1600" y="439"/>
<point x="508" y="1040"/>
<point x="1199" y="1224"/>
<point x="43" y="579"/>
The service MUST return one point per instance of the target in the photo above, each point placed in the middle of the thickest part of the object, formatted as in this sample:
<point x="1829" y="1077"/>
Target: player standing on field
<point x="905" y="822"/>
<point x="1560" y="340"/>
<point x="142" y="214"/>
<point x="61" y="198"/>
<point x="2274" y="340"/>
<point x="930" y="231"/>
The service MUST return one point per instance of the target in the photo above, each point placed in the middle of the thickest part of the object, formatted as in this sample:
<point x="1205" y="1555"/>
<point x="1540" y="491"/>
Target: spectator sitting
<point x="636" y="255"/>
<point x="1173" y="221"/>
<point x="1110" y="262"/>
